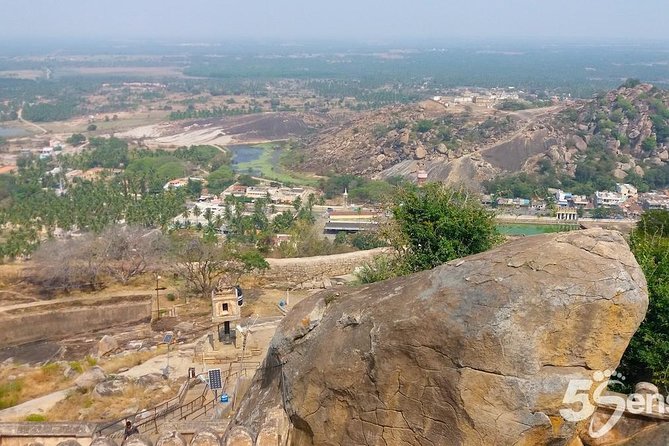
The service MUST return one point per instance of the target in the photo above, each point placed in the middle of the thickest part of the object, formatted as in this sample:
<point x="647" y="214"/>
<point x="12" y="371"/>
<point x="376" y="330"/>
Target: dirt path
<point x="32" y="124"/>
<point x="38" y="405"/>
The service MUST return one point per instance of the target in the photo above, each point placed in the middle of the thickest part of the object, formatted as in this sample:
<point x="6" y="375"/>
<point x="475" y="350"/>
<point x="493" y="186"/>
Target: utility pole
<point x="157" y="297"/>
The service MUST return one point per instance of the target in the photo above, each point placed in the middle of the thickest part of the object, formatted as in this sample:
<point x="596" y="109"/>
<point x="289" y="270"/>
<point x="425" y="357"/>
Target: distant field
<point x="125" y="122"/>
<point x="167" y="71"/>
<point x="21" y="74"/>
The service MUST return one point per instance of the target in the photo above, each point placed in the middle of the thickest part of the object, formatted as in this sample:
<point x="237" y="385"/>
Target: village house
<point x="608" y="199"/>
<point x="654" y="201"/>
<point x="626" y="190"/>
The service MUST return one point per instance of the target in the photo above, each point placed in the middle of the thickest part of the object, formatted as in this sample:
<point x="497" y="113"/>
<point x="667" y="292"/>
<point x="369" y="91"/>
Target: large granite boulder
<point x="90" y="378"/>
<point x="477" y="351"/>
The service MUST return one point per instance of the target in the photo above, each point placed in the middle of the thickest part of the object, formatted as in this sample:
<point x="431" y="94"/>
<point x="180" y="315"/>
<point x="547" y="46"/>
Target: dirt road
<point x="32" y="124"/>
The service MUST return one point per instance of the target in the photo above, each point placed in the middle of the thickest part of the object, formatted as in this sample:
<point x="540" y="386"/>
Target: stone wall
<point x="48" y="434"/>
<point x="57" y="322"/>
<point x="309" y="272"/>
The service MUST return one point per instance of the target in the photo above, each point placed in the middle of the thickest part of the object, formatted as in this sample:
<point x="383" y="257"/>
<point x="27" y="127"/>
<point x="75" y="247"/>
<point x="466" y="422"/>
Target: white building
<point x="609" y="199"/>
<point x="627" y="190"/>
<point x="46" y="152"/>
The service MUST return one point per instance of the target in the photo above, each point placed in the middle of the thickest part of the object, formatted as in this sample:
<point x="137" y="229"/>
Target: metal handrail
<point x="119" y="424"/>
<point x="163" y="410"/>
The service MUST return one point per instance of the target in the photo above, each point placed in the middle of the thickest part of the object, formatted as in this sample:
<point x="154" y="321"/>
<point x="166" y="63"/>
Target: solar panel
<point x="215" y="381"/>
<point x="168" y="338"/>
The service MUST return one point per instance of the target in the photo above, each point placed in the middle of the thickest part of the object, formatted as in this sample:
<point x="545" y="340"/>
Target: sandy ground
<point x="163" y="135"/>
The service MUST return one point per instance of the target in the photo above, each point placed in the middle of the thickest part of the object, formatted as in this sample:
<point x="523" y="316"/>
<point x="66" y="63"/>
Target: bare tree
<point x="205" y="265"/>
<point x="131" y="251"/>
<point x="65" y="265"/>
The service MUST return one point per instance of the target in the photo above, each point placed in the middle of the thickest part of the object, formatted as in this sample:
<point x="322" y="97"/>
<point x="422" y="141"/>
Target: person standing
<point x="129" y="430"/>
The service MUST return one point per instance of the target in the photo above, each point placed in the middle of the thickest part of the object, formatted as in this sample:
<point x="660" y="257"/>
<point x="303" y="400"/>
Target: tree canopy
<point x="436" y="224"/>
<point x="647" y="355"/>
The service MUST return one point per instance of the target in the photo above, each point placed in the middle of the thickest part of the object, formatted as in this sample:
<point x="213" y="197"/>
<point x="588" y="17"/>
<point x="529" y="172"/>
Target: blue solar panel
<point x="215" y="381"/>
<point x="168" y="338"/>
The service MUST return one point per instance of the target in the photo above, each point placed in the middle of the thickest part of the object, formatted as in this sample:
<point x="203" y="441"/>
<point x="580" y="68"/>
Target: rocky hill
<point x="624" y="132"/>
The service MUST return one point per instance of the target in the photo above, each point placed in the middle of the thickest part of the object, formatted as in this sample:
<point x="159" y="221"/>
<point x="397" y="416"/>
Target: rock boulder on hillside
<point x="106" y="345"/>
<point x="477" y="351"/>
<point x="90" y="378"/>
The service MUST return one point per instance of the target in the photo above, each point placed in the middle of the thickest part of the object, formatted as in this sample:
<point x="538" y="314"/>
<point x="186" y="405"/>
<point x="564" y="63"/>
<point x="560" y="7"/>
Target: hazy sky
<point x="198" y="20"/>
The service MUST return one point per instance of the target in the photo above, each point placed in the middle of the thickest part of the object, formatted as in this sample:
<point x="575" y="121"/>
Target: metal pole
<point x="167" y="369"/>
<point x="157" y="298"/>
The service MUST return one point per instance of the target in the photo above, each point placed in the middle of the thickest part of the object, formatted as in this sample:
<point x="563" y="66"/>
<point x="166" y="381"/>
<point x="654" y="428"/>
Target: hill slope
<point x="619" y="136"/>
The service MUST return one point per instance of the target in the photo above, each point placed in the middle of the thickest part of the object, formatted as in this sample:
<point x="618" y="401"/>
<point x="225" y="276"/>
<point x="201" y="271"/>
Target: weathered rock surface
<point x="420" y="152"/>
<point x="205" y="438"/>
<point x="69" y="443"/>
<point x="111" y="387"/>
<point x="172" y="438"/>
<point x="138" y="440"/>
<point x="106" y="345"/>
<point x="151" y="380"/>
<point x="478" y="351"/>
<point x="90" y="378"/>
<point x="654" y="436"/>
<point x="103" y="441"/>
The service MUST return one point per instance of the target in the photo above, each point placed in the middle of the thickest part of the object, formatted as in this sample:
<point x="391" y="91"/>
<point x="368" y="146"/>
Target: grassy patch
<point x="268" y="166"/>
<point x="116" y="363"/>
<point x="10" y="393"/>
<point x="29" y="383"/>
<point x="36" y="418"/>
<point x="85" y="405"/>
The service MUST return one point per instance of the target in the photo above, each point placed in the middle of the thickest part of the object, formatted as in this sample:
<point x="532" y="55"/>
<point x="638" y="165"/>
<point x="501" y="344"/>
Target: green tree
<point x="435" y="224"/>
<point x="76" y="139"/>
<point x="649" y="144"/>
<point x="220" y="179"/>
<point x="247" y="180"/>
<point x="647" y="355"/>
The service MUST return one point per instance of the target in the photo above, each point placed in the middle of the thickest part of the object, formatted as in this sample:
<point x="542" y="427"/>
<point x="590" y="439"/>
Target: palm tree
<point x="208" y="215"/>
<point x="196" y="211"/>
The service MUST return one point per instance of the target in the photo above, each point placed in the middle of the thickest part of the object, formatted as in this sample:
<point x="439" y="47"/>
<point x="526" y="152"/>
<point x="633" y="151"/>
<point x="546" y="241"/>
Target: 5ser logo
<point x="583" y="399"/>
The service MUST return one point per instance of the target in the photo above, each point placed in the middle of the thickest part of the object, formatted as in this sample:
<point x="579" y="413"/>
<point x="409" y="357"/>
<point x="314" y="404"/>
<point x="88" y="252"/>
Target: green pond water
<point x="533" y="229"/>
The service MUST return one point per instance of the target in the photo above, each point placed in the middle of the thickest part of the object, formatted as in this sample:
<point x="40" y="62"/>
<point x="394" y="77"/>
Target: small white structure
<point x="224" y="310"/>
<point x="46" y="152"/>
<point x="626" y="190"/>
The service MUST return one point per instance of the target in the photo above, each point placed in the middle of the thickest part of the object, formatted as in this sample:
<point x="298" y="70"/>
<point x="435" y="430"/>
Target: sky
<point x="342" y="20"/>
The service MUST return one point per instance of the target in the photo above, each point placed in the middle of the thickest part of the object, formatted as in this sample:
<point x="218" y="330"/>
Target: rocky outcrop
<point x="478" y="351"/>
<point x="107" y="344"/>
<point x="90" y="378"/>
<point x="172" y="438"/>
<point x="138" y="440"/>
<point x="112" y="387"/>
<point x="103" y="441"/>
<point x="205" y="438"/>
<point x="629" y="122"/>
